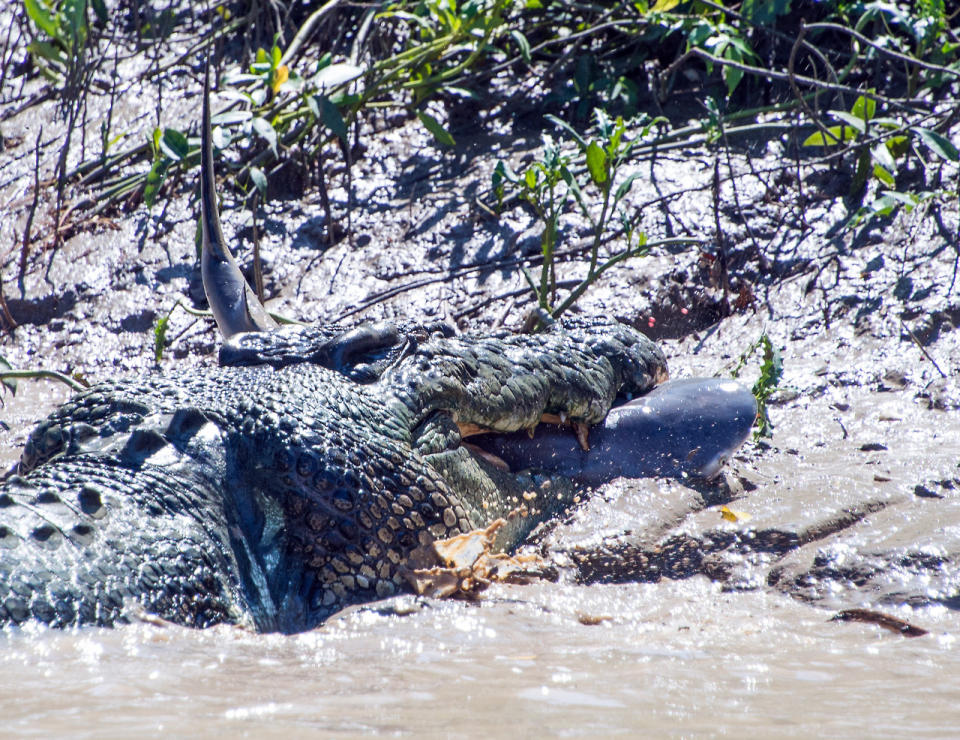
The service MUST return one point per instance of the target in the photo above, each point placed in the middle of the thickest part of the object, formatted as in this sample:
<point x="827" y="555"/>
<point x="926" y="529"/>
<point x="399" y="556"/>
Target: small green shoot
<point x="160" y="337"/>
<point x="771" y="372"/>
<point x="62" y="37"/>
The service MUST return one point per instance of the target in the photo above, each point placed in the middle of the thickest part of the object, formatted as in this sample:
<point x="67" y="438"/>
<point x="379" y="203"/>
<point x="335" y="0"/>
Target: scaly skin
<point x="292" y="480"/>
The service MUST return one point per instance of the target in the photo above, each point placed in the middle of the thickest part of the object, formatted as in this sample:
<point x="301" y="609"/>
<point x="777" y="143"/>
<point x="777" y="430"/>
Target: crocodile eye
<point x="361" y="353"/>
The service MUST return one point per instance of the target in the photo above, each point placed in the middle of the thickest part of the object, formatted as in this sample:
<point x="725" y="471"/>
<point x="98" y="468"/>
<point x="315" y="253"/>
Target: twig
<point x="906" y="58"/>
<point x="306" y="29"/>
<point x="257" y="268"/>
<point x="923" y="349"/>
<point x="10" y="323"/>
<point x="48" y="374"/>
<point x="721" y="238"/>
<point x="25" y="249"/>
<point x="902" y="103"/>
<point x="499" y="265"/>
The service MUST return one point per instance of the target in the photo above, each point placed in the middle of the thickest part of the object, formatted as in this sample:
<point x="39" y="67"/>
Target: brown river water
<point x="676" y="659"/>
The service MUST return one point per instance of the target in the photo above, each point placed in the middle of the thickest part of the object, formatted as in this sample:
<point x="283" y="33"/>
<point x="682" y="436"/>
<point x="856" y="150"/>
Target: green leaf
<point x="664" y="6"/>
<point x="938" y="144"/>
<point x="910" y="200"/>
<point x="159" y="337"/>
<point x="771" y="371"/>
<point x="75" y="11"/>
<point x="9" y="383"/>
<point x="238" y="78"/>
<point x="818" y="139"/>
<point x="834" y="135"/>
<point x="864" y="108"/>
<point x="43" y="18"/>
<point x="882" y="156"/>
<point x="275" y="56"/>
<point x="50" y="52"/>
<point x="898" y="145"/>
<point x="616" y="136"/>
<point x="344" y="99"/>
<point x="884" y="176"/>
<point x="260" y="180"/>
<point x="173" y="144"/>
<point x="100" y="9"/>
<point x="154" y="180"/>
<point x="858" y="123"/>
<point x="221" y="138"/>
<point x="335" y="75"/>
<point x="530" y="178"/>
<point x="266" y="132"/>
<point x="503" y="172"/>
<point x="597" y="163"/>
<point x="883" y="206"/>
<point x="886" y="122"/>
<point x="574" y="187"/>
<point x="568" y="128"/>
<point x="846" y="133"/>
<point x="732" y="76"/>
<point x="626" y="185"/>
<point x="522" y="44"/>
<point x="331" y="117"/>
<point x="231" y="118"/>
<point x="433" y="126"/>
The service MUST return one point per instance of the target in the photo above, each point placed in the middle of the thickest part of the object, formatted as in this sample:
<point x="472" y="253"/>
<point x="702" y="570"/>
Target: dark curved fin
<point x="234" y="304"/>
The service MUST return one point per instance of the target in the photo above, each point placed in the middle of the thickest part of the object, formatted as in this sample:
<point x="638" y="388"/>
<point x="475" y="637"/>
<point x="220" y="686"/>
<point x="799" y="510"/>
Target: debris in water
<point x="887" y="621"/>
<point x="734" y="516"/>
<point x="465" y="565"/>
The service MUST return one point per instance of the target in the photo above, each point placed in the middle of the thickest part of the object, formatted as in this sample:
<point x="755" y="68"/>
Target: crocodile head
<point x="429" y="391"/>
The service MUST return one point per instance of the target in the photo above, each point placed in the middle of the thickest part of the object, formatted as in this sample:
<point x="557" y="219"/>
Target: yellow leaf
<point x="663" y="6"/>
<point x="280" y="75"/>
<point x="734" y="516"/>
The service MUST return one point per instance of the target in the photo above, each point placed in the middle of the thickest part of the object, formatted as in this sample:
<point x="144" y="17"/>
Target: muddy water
<point x="668" y="660"/>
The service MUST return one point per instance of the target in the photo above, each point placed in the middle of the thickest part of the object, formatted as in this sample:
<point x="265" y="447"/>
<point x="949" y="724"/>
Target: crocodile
<point x="297" y="476"/>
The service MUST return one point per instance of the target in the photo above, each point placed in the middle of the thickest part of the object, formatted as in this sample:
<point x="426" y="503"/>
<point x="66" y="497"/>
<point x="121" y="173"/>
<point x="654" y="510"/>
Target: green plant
<point x="58" y="47"/>
<point x="856" y="126"/>
<point x="894" y="138"/>
<point x="9" y="376"/>
<point x="771" y="373"/>
<point x="447" y="38"/>
<point x="552" y="183"/>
